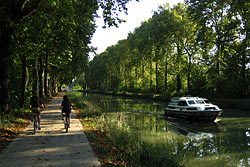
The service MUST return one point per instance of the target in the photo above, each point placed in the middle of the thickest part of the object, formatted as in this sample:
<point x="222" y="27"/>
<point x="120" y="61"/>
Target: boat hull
<point x="210" y="115"/>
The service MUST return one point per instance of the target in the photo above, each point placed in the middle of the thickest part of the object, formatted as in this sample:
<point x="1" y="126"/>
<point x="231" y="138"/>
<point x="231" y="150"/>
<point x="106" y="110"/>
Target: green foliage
<point x="141" y="63"/>
<point x="56" y="33"/>
<point x="132" y="148"/>
<point x="76" y="98"/>
<point x="200" y="47"/>
<point x="17" y="116"/>
<point x="139" y="152"/>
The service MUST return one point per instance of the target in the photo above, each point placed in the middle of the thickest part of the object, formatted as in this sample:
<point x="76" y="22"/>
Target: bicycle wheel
<point x="67" y="124"/>
<point x="35" y="124"/>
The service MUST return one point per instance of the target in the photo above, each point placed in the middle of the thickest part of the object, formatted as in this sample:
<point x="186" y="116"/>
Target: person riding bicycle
<point x="66" y="107"/>
<point x="36" y="105"/>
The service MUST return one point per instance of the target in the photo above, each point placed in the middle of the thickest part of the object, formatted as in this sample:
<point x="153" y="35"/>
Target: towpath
<point x="50" y="146"/>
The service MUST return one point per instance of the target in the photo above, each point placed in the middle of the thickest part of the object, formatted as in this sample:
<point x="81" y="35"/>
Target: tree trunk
<point x="46" y="74"/>
<point x="189" y="74"/>
<point x="156" y="78"/>
<point x="60" y="88"/>
<point x="243" y="73"/>
<point x="41" y="78"/>
<point x="35" y="87"/>
<point x="151" y="73"/>
<point x="178" y="69"/>
<point x="166" y="76"/>
<point x="49" y="87"/>
<point x="189" y="68"/>
<point x="6" y="32"/>
<point x="178" y="83"/>
<point x="143" y="75"/>
<point x="54" y="87"/>
<point x="53" y="84"/>
<point x="24" y="77"/>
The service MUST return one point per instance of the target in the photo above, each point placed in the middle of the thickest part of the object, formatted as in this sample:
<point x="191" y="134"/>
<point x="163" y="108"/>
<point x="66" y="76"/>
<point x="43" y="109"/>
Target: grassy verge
<point x="117" y="145"/>
<point x="11" y="125"/>
<point x="107" y="153"/>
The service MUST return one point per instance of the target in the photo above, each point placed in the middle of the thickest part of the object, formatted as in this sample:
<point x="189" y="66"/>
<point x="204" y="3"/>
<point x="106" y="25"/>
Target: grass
<point x="116" y="145"/>
<point x="107" y="153"/>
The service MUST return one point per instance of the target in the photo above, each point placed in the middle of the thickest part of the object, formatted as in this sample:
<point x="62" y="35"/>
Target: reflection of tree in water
<point x="198" y="145"/>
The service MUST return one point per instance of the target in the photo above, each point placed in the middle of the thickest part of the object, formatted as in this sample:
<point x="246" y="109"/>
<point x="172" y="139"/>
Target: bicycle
<point x="35" y="113"/>
<point x="35" y="122"/>
<point x="66" y="122"/>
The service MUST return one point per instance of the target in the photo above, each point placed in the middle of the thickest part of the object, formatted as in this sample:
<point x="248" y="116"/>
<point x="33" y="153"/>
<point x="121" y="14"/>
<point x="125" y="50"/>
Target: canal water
<point x="223" y="144"/>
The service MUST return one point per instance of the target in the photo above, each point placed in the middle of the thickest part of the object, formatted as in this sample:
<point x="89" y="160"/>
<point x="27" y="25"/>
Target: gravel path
<point x="50" y="146"/>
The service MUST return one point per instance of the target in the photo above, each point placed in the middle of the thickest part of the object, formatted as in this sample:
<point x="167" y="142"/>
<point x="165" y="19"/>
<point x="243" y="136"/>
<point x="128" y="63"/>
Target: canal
<point x="224" y="143"/>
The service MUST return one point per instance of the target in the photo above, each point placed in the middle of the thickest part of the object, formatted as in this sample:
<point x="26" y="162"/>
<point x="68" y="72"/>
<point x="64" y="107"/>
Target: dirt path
<point x="51" y="146"/>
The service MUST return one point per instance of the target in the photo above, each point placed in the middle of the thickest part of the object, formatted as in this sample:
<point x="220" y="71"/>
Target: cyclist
<point x="66" y="107"/>
<point x="36" y="105"/>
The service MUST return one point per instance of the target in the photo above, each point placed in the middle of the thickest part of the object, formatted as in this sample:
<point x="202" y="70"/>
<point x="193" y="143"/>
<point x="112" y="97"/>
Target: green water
<point x="223" y="144"/>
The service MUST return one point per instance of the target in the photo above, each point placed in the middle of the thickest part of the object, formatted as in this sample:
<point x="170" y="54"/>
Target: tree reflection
<point x="226" y="143"/>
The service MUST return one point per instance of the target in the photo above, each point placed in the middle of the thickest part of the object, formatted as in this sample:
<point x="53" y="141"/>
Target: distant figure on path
<point x="36" y="105"/>
<point x="66" y="107"/>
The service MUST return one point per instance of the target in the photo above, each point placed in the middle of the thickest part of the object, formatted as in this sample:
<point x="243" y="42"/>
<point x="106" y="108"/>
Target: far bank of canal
<point x="225" y="143"/>
<point x="243" y="104"/>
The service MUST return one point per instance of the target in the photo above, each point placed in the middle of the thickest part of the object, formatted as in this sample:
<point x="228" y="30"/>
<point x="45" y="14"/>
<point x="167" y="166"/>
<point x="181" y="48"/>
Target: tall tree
<point x="14" y="11"/>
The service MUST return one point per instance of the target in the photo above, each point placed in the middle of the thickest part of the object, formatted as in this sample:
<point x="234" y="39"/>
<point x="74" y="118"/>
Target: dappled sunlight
<point x="50" y="146"/>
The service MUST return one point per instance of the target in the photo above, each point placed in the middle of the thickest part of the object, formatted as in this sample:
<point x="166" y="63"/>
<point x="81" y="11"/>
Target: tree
<point x="16" y="11"/>
<point x="222" y="25"/>
<point x="12" y="12"/>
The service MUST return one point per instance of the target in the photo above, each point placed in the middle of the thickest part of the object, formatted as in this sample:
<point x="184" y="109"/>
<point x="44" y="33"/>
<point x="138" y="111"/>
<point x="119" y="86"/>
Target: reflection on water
<point x="192" y="129"/>
<point x="226" y="143"/>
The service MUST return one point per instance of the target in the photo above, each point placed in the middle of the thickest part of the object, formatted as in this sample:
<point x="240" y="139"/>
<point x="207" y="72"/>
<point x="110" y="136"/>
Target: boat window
<point x="207" y="101"/>
<point x="182" y="103"/>
<point x="191" y="102"/>
<point x="200" y="102"/>
<point x="193" y="108"/>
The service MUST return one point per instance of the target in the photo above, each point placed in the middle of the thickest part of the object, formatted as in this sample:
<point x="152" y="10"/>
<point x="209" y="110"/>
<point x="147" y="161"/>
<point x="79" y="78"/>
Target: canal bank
<point x="137" y="128"/>
<point x="156" y="97"/>
<point x="243" y="104"/>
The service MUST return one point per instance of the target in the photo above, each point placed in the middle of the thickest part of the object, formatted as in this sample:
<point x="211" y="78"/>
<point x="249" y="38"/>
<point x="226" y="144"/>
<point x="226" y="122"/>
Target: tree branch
<point x="22" y="4"/>
<point x="26" y="12"/>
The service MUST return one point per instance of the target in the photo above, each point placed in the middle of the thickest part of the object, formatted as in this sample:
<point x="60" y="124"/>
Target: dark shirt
<point x="35" y="101"/>
<point x="66" y="106"/>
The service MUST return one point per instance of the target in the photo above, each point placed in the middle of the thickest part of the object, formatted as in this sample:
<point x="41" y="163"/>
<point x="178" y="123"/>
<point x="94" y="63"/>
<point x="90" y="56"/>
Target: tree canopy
<point x="46" y="43"/>
<point x="200" y="47"/>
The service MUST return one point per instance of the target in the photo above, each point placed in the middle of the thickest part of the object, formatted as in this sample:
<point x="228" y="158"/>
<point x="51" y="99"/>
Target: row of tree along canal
<point x="198" y="47"/>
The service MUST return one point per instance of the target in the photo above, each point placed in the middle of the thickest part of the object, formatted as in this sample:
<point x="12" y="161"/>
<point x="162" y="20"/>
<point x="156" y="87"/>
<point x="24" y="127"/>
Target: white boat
<point x="192" y="108"/>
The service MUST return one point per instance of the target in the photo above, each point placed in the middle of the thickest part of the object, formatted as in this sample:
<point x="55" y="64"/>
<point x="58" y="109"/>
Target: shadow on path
<point x="51" y="146"/>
